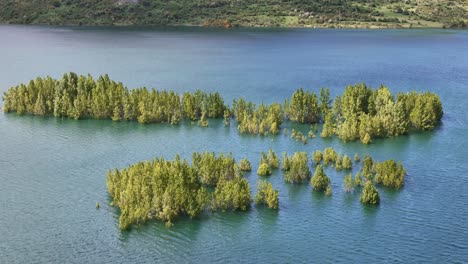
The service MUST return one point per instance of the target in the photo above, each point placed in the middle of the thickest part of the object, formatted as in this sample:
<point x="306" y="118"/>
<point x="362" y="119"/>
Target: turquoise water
<point x="52" y="171"/>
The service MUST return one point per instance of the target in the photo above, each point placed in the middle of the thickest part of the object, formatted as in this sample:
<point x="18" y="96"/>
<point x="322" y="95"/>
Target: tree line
<point x="360" y="113"/>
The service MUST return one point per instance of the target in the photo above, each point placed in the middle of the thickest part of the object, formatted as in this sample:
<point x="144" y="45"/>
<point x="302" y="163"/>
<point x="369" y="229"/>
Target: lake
<point x="52" y="171"/>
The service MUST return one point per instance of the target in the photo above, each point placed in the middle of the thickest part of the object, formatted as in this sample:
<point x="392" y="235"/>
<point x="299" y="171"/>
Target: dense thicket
<point x="267" y="195"/>
<point x="164" y="190"/>
<point x="360" y="113"/>
<point x="81" y="96"/>
<point x="389" y="173"/>
<point x="263" y="120"/>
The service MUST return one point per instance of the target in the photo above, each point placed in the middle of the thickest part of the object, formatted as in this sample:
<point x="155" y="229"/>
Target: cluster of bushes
<point x="81" y="96"/>
<point x="296" y="168"/>
<point x="164" y="190"/>
<point x="263" y="120"/>
<point x="266" y="195"/>
<point x="267" y="163"/>
<point x="330" y="157"/>
<point x="362" y="113"/>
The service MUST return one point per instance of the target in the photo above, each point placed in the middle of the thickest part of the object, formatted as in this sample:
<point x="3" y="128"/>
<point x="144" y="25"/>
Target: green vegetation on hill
<point x="229" y="13"/>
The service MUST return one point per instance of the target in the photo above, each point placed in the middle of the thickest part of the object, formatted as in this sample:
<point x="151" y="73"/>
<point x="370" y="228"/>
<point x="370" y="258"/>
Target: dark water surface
<point x="52" y="171"/>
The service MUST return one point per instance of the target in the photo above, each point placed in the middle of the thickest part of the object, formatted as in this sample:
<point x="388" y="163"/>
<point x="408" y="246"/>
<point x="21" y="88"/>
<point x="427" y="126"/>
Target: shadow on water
<point x="268" y="218"/>
<point x="370" y="211"/>
<point x="296" y="191"/>
<point x="349" y="198"/>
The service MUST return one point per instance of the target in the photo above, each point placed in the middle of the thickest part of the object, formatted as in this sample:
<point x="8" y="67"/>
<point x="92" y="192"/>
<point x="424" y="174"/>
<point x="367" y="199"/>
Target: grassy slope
<point x="294" y="13"/>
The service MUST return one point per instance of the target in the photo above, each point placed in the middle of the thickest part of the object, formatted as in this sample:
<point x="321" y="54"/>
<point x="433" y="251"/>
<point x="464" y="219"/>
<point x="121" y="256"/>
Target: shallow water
<point x="52" y="171"/>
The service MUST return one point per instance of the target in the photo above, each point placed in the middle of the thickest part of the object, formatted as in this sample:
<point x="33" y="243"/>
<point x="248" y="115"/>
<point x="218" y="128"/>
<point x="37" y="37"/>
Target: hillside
<point x="247" y="13"/>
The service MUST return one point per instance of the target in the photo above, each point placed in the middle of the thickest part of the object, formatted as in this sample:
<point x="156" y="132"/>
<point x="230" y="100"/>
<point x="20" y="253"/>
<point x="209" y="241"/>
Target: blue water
<point x="52" y="171"/>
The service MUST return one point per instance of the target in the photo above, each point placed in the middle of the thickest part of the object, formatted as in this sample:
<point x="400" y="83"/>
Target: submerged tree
<point x="320" y="181"/>
<point x="389" y="173"/>
<point x="299" y="169"/>
<point x="369" y="194"/>
<point x="244" y="165"/>
<point x="267" y="195"/>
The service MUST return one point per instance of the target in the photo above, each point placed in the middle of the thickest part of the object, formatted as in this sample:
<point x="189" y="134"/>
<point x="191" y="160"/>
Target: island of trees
<point x="360" y="113"/>
<point x="167" y="189"/>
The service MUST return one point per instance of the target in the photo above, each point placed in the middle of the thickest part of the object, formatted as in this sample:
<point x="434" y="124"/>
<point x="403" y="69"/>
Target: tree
<point x="299" y="169"/>
<point x="264" y="170"/>
<point x="347" y="163"/>
<point x="273" y="160"/>
<point x="320" y="181"/>
<point x="357" y="179"/>
<point x="367" y="169"/>
<point x="349" y="183"/>
<point x="317" y="157"/>
<point x="267" y="195"/>
<point x="244" y="165"/>
<point x="324" y="101"/>
<point x="389" y="173"/>
<point x="369" y="194"/>
<point x="329" y="156"/>
<point x="286" y="162"/>
<point x="232" y="195"/>
<point x="356" y="158"/>
<point x="203" y="122"/>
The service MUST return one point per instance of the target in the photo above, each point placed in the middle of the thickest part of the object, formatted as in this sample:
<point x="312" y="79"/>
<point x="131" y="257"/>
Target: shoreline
<point x="318" y="26"/>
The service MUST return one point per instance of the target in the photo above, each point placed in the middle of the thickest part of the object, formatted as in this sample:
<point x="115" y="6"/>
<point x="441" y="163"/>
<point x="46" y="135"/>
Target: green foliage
<point x="339" y="163"/>
<point x="227" y="117"/>
<point x="317" y="156"/>
<point x="273" y="160"/>
<point x="328" y="191"/>
<point x="165" y="190"/>
<point x="156" y="189"/>
<point x="389" y="173"/>
<point x="361" y="113"/>
<point x="320" y="181"/>
<point x="263" y="120"/>
<point x="244" y="165"/>
<point x="232" y="195"/>
<point x="267" y="195"/>
<point x="264" y="169"/>
<point x="303" y="107"/>
<point x="427" y="111"/>
<point x="367" y="170"/>
<point x="356" y="158"/>
<point x="270" y="13"/>
<point x="328" y="128"/>
<point x="347" y="163"/>
<point x="329" y="156"/>
<point x="203" y="122"/>
<point x="357" y="179"/>
<point x="325" y="102"/>
<point x="369" y="194"/>
<point x="299" y="170"/>
<point x="286" y="162"/>
<point x="212" y="169"/>
<point x="349" y="182"/>
<point x="81" y="96"/>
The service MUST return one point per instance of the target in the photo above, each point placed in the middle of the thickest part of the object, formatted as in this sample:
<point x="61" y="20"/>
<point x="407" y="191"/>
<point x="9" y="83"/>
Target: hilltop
<point x="245" y="13"/>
